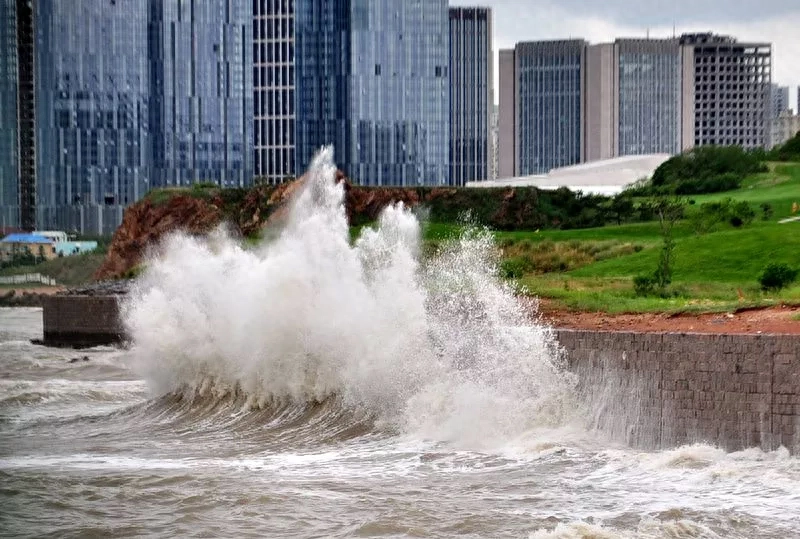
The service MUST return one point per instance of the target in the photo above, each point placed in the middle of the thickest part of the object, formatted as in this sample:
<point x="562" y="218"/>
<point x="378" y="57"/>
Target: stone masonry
<point x="658" y="390"/>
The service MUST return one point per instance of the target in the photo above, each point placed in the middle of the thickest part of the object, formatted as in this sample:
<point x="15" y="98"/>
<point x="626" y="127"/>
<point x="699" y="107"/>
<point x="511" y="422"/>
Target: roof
<point x="26" y="238"/>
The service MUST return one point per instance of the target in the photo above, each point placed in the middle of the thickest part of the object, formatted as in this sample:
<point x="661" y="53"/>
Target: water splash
<point x="437" y="347"/>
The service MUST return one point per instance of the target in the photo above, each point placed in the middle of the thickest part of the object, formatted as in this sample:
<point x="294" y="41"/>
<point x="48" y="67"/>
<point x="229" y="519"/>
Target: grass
<point x="68" y="271"/>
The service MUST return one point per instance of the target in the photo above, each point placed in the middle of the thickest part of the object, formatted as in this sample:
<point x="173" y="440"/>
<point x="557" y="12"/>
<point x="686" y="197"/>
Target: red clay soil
<point x="771" y="320"/>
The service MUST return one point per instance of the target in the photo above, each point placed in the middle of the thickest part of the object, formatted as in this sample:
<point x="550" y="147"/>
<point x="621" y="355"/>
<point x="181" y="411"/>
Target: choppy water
<point x="314" y="388"/>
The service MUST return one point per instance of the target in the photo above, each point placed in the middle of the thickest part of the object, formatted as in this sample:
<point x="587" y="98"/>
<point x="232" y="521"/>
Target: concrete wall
<point x="602" y="98"/>
<point x="506" y="119"/>
<point x="657" y="390"/>
<point x="81" y="320"/>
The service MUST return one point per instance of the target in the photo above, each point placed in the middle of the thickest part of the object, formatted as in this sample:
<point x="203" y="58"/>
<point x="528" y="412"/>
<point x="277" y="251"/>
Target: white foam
<point x="440" y="347"/>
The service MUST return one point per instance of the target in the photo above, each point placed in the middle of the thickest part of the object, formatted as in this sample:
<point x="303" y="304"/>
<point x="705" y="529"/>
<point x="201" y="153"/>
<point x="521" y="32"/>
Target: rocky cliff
<point x="199" y="210"/>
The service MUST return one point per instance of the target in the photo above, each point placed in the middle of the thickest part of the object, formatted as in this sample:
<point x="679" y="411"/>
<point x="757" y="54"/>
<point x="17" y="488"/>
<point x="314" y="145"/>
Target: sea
<point x="315" y="386"/>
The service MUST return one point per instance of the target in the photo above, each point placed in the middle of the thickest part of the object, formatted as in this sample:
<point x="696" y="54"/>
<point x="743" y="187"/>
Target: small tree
<point x="669" y="211"/>
<point x="777" y="275"/>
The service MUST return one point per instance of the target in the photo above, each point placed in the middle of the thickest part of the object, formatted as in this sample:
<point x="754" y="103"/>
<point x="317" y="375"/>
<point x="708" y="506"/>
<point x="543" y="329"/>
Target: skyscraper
<point x="471" y="94"/>
<point x="9" y="158"/>
<point x="507" y="115"/>
<point x="649" y="105"/>
<point x="274" y="85"/>
<point x="201" y="89"/>
<point x="731" y="91"/>
<point x="372" y="79"/>
<point x="92" y="112"/>
<point x="549" y="104"/>
<point x="780" y="100"/>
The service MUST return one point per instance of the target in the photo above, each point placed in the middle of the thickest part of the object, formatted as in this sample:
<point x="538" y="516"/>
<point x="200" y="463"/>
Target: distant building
<point x="471" y="94"/>
<point x="731" y="91"/>
<point x="549" y="105"/>
<point x="15" y="245"/>
<point x="507" y="115"/>
<point x="783" y="128"/>
<point x="779" y="96"/>
<point x="372" y="78"/>
<point x="274" y="87"/>
<point x="92" y="112"/>
<point x="17" y="115"/>
<point x="201" y="69"/>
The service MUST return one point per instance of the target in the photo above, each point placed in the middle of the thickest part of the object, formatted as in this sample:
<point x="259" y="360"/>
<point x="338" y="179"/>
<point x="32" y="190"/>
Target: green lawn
<point x="69" y="270"/>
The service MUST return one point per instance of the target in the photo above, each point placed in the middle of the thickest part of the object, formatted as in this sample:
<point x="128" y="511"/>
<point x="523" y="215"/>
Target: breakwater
<point x="651" y="390"/>
<point x="658" y="390"/>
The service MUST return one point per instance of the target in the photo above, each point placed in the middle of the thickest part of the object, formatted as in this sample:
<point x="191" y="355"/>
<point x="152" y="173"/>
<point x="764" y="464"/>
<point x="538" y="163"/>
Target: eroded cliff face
<point x="247" y="212"/>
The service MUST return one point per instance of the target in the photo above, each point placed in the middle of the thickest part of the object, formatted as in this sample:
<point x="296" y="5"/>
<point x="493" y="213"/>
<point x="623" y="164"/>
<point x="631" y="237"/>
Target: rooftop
<point x="26" y="238"/>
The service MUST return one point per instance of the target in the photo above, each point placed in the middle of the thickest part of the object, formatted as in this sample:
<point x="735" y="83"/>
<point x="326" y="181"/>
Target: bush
<point x="514" y="268"/>
<point x="644" y="285"/>
<point x="777" y="276"/>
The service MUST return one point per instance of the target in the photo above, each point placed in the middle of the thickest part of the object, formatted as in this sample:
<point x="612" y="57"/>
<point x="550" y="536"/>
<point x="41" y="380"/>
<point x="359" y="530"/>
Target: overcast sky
<point x="775" y="21"/>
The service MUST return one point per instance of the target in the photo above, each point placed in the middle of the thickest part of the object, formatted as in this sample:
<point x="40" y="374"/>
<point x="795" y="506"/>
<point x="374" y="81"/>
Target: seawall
<point x="659" y="390"/>
<point x="650" y="390"/>
<point x="81" y="320"/>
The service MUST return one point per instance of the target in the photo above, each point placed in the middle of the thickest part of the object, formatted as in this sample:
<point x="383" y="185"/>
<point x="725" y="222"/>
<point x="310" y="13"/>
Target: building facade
<point x="780" y="99"/>
<point x="549" y="105"/>
<point x="649" y="103"/>
<point x="471" y="95"/>
<point x="92" y="112"/>
<point x="732" y="90"/>
<point x="274" y="86"/>
<point x="372" y="79"/>
<point x="506" y="115"/>
<point x="9" y="178"/>
<point x="783" y="128"/>
<point x="201" y="86"/>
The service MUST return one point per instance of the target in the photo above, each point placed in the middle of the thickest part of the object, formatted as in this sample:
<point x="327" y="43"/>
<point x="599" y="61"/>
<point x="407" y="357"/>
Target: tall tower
<point x="471" y="94"/>
<point x="274" y="85"/>
<point x="373" y="80"/>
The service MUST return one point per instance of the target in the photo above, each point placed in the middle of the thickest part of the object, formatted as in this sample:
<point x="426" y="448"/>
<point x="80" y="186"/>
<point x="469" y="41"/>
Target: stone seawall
<point x="650" y="390"/>
<point x="658" y="390"/>
<point x="81" y="321"/>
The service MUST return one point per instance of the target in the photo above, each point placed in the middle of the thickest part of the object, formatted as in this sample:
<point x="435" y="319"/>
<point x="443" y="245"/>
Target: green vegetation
<point x="707" y="169"/>
<point x="777" y="276"/>
<point x="68" y="270"/>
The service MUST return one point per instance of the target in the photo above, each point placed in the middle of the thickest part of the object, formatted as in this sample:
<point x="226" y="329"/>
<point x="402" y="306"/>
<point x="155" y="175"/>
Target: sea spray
<point x="439" y="347"/>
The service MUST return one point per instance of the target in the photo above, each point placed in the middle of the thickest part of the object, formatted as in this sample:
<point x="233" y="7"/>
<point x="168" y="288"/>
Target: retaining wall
<point x="81" y="321"/>
<point x="658" y="390"/>
<point x="651" y="390"/>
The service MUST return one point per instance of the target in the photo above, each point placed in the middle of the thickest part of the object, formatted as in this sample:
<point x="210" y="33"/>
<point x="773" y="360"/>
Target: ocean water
<point x="317" y="388"/>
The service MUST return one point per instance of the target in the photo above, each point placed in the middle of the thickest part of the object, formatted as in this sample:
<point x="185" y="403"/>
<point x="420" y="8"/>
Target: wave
<point x="437" y="346"/>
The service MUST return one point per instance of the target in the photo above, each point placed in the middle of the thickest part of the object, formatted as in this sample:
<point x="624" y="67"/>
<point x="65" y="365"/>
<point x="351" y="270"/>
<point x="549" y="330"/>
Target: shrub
<point x="766" y="209"/>
<point x="777" y="275"/>
<point x="514" y="268"/>
<point x="644" y="285"/>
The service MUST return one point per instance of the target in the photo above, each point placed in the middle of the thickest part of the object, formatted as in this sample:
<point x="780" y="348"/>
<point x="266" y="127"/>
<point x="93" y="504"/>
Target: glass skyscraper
<point x="649" y="96"/>
<point x="549" y="104"/>
<point x="373" y="80"/>
<point x="93" y="134"/>
<point x="9" y="182"/>
<point x="273" y="83"/>
<point x="471" y="94"/>
<point x="201" y="91"/>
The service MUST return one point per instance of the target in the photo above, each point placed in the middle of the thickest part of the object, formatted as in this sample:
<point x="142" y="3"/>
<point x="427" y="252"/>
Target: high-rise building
<point x="783" y="128"/>
<point x="372" y="78"/>
<point x="650" y="100"/>
<point x="780" y="99"/>
<point x="201" y="85"/>
<point x="92" y="112"/>
<point x="506" y="115"/>
<point x="9" y="158"/>
<point x="471" y="94"/>
<point x="17" y="115"/>
<point x="549" y="105"/>
<point x="731" y="91"/>
<point x="274" y="84"/>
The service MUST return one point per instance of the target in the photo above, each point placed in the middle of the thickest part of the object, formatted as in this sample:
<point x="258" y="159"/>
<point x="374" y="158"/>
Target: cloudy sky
<point x="775" y="21"/>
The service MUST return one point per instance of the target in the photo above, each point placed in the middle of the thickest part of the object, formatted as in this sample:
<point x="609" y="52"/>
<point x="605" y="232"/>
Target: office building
<point x="549" y="105"/>
<point x="731" y="91"/>
<point x="274" y="85"/>
<point x="471" y="94"/>
<point x="92" y="112"/>
<point x="9" y="180"/>
<point x="201" y="89"/>
<point x="779" y="99"/>
<point x="783" y="128"/>
<point x="372" y="78"/>
<point x="506" y="115"/>
<point x="17" y="116"/>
